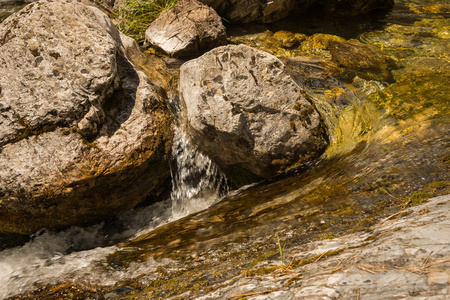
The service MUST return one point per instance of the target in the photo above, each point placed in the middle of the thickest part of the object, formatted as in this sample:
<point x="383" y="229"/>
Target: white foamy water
<point x="197" y="182"/>
<point x="75" y="255"/>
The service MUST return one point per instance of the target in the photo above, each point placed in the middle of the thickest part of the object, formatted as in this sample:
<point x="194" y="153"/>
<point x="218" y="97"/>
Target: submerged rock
<point x="83" y="134"/>
<point x="367" y="61"/>
<point x="247" y="113"/>
<point x="187" y="29"/>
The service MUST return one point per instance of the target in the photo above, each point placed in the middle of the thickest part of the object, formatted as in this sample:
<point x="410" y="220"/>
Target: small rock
<point x="187" y="29"/>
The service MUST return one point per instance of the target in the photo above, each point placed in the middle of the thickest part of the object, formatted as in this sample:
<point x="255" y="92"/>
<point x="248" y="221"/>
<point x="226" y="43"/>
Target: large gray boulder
<point x="83" y="134"/>
<point x="247" y="113"/>
<point x="187" y="29"/>
<point x="267" y="11"/>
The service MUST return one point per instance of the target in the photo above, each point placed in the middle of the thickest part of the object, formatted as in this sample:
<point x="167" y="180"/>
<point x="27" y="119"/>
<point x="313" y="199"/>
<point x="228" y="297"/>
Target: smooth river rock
<point x="244" y="110"/>
<point x="187" y="29"/>
<point x="83" y="133"/>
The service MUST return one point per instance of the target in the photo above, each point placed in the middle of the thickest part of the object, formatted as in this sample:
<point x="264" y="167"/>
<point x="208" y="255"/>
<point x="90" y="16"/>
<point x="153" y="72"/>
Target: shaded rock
<point x="247" y="11"/>
<point x="83" y="134"/>
<point x="246" y="112"/>
<point x="350" y="8"/>
<point x="187" y="29"/>
<point x="267" y="11"/>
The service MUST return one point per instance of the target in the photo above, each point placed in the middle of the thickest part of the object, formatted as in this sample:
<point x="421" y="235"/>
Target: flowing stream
<point x="53" y="256"/>
<point x="389" y="147"/>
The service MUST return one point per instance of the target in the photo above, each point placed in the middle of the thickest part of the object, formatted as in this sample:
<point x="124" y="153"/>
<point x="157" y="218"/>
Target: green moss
<point x="330" y="236"/>
<point x="292" y="124"/>
<point x="419" y="197"/>
<point x="90" y="145"/>
<point x="158" y="283"/>
<point x="261" y="258"/>
<point x="437" y="185"/>
<point x="293" y="279"/>
<point x="262" y="271"/>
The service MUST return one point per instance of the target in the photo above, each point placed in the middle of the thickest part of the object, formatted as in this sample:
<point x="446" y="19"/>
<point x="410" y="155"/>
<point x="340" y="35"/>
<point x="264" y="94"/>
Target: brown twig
<point x="336" y="269"/>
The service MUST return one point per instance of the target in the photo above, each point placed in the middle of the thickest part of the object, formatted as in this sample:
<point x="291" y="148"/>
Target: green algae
<point x="261" y="258"/>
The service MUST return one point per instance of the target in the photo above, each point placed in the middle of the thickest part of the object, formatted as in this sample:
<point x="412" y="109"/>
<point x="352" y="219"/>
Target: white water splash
<point x="197" y="182"/>
<point x="74" y="254"/>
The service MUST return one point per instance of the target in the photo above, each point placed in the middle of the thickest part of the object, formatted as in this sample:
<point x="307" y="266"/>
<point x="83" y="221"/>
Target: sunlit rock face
<point x="83" y="134"/>
<point x="187" y="29"/>
<point x="247" y="113"/>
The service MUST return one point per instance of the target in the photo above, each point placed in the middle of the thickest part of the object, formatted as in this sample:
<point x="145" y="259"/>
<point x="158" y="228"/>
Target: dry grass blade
<point x="320" y="257"/>
<point x="358" y="295"/>
<point x="435" y="263"/>
<point x="251" y="294"/>
<point x="336" y="269"/>
<point x="367" y="270"/>
<point x="426" y="259"/>
<point x="384" y="224"/>
<point x="375" y="268"/>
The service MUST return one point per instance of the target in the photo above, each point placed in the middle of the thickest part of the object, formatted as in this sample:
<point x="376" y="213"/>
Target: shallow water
<point x="389" y="149"/>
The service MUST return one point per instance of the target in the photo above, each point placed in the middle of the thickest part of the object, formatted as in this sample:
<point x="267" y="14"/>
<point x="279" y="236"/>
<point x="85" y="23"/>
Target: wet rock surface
<point x="246" y="112"/>
<point x="402" y="257"/>
<point x="187" y="29"/>
<point x="80" y="125"/>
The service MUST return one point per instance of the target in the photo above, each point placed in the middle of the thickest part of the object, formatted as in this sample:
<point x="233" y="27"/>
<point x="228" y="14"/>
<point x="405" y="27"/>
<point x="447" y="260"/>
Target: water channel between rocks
<point x="389" y="150"/>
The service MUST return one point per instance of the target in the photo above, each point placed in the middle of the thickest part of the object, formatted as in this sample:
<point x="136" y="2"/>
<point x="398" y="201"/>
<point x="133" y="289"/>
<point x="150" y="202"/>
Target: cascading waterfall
<point x="197" y="182"/>
<point x="72" y="254"/>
